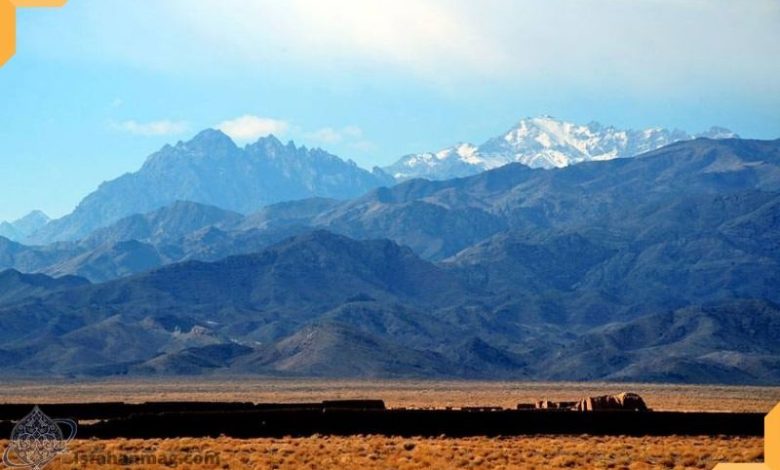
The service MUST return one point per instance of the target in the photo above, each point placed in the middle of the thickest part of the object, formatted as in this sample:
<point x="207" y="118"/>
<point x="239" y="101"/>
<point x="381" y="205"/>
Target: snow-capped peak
<point x="542" y="142"/>
<point x="716" y="132"/>
<point x="464" y="151"/>
<point x="459" y="157"/>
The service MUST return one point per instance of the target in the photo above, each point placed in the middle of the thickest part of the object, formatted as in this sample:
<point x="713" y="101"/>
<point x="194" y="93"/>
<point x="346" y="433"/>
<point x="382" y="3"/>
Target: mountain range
<point x="325" y="305"/>
<point x="22" y="228"/>
<point x="181" y="231"/>
<point x="692" y="189"/>
<point x="663" y="267"/>
<point x="210" y="169"/>
<point x="541" y="142"/>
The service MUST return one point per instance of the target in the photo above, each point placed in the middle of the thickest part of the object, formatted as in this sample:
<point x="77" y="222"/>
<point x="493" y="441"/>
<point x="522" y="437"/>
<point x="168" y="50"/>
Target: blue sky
<point x="98" y="85"/>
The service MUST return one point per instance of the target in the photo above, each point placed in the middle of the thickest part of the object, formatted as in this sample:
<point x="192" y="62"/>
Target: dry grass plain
<point x="395" y="393"/>
<point x="381" y="453"/>
<point x="377" y="452"/>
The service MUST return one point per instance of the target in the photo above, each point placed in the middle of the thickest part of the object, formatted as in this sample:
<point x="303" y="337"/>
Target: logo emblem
<point x="36" y="440"/>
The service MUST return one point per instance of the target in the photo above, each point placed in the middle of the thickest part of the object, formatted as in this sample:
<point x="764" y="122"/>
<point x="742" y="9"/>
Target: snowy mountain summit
<point x="542" y="142"/>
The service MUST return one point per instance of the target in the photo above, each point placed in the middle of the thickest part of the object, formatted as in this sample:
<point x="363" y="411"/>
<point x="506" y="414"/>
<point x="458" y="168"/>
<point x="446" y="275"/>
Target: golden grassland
<point x="385" y="453"/>
<point x="395" y="393"/>
<point x="375" y="452"/>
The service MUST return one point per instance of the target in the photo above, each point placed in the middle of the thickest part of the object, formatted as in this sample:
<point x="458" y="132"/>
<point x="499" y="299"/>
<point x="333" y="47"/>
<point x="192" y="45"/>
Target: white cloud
<point x="353" y="132"/>
<point x="153" y="128"/>
<point x="326" y="135"/>
<point x="329" y="135"/>
<point x="250" y="127"/>
<point x="425" y="37"/>
<point x="553" y="42"/>
<point x="363" y="146"/>
<point x="351" y="136"/>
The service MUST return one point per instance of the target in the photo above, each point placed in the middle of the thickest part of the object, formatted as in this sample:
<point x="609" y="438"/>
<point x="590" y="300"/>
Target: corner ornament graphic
<point x="8" y="23"/>
<point x="36" y="440"/>
<point x="771" y="446"/>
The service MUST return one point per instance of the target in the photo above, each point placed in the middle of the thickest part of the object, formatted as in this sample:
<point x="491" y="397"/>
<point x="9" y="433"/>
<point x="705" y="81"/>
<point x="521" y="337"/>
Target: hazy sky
<point x="99" y="84"/>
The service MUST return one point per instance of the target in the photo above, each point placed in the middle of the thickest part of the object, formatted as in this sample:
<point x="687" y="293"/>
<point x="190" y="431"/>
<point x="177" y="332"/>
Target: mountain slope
<point x="210" y="169"/>
<point x="322" y="304"/>
<point x="628" y="197"/>
<point x="181" y="231"/>
<point x="164" y="225"/>
<point x="722" y="191"/>
<point x="542" y="142"/>
<point x="733" y="342"/>
<point x="689" y="189"/>
<point x="252" y="299"/>
<point x="16" y="286"/>
<point x="20" y="229"/>
<point x="661" y="267"/>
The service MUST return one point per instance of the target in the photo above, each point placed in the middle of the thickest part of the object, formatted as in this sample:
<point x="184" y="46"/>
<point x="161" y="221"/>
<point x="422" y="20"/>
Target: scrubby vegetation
<point x="375" y="452"/>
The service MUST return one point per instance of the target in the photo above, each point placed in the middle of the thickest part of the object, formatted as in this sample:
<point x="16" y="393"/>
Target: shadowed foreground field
<point x="371" y="452"/>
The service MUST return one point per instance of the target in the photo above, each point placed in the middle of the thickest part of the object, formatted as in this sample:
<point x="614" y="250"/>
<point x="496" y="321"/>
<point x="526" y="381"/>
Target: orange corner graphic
<point x="7" y="31"/>
<point x="771" y="446"/>
<point x="8" y="23"/>
<point x="39" y="3"/>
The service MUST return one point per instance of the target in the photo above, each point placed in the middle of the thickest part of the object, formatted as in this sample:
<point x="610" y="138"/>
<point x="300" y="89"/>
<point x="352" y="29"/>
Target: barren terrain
<point x="399" y="393"/>
<point x="378" y="452"/>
